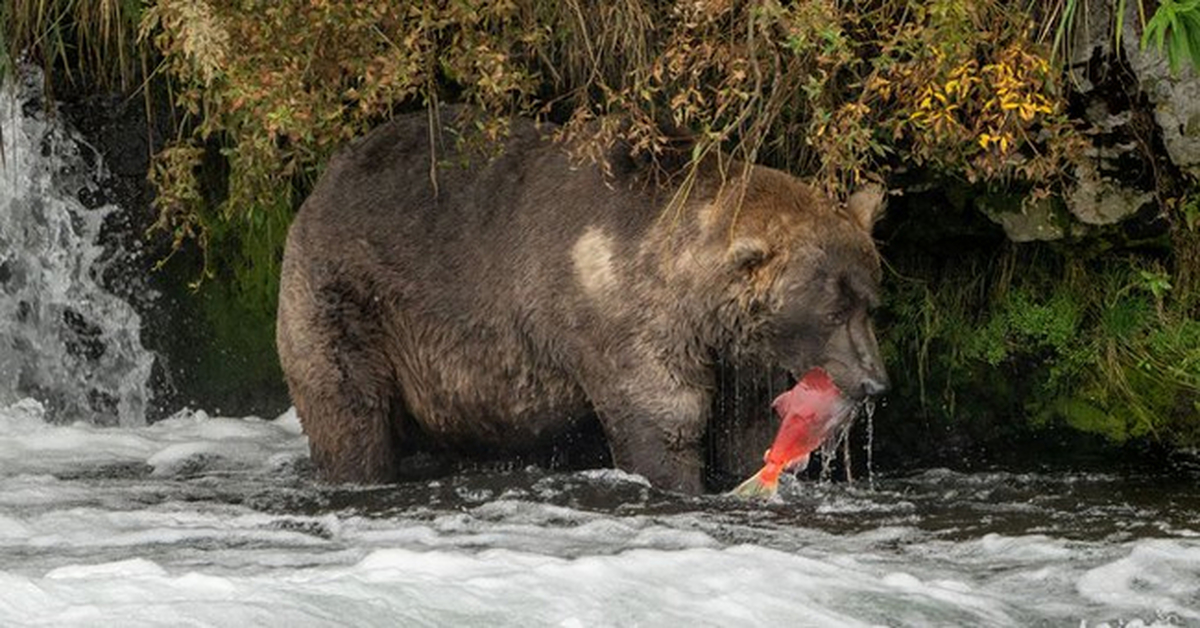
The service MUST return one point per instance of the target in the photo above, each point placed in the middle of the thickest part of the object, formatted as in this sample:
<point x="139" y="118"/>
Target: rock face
<point x="1132" y="101"/>
<point x="1037" y="220"/>
<point x="1100" y="200"/>
<point x="1134" y="108"/>
<point x="1176" y="98"/>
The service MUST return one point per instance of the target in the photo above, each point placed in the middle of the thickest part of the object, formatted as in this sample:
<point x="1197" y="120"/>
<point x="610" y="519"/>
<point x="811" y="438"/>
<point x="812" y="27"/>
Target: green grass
<point x="89" y="41"/>
<point x="1104" y="347"/>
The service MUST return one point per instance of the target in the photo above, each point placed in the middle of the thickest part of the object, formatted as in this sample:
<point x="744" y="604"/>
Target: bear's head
<point x="801" y="277"/>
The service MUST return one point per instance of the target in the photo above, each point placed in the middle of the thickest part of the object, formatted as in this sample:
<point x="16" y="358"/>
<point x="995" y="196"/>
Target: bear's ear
<point x="866" y="204"/>
<point x="746" y="254"/>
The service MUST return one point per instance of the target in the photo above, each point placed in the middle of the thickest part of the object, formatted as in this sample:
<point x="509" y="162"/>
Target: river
<point x="208" y="521"/>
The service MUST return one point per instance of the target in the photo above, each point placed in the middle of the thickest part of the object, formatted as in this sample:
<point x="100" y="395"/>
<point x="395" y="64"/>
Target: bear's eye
<point x="842" y="305"/>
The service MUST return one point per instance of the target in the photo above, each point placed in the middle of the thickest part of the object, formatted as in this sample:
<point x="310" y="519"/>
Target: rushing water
<point x="217" y="521"/>
<point x="206" y="521"/>
<point x="64" y="339"/>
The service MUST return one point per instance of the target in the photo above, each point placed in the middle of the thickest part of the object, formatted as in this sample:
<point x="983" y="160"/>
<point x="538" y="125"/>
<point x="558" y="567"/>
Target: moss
<point x="218" y="344"/>
<point x="1037" y="338"/>
<point x="238" y="366"/>
<point x="1086" y="417"/>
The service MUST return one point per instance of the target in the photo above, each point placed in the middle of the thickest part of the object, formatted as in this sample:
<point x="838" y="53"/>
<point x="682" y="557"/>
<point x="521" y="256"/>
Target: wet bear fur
<point x="524" y="303"/>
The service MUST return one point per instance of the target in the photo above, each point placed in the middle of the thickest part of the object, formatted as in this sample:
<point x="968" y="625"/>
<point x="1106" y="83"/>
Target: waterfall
<point x="65" y="340"/>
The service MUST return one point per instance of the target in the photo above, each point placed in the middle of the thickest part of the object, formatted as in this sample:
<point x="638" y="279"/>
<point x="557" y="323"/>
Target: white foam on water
<point x="163" y="548"/>
<point x="31" y="445"/>
<point x="1160" y="573"/>
<point x="740" y="585"/>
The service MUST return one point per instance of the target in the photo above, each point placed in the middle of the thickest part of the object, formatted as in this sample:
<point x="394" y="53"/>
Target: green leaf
<point x="1174" y="29"/>
<point x="1191" y="214"/>
<point x="1177" y="43"/>
<point x="1176" y="50"/>
<point x="1156" y="28"/>
<point x="1066" y="24"/>
<point x="1119" y="27"/>
<point x="1192" y="20"/>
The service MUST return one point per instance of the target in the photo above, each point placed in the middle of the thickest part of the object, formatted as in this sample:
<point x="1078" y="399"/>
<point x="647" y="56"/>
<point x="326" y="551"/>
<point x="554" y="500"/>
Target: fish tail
<point x="759" y="486"/>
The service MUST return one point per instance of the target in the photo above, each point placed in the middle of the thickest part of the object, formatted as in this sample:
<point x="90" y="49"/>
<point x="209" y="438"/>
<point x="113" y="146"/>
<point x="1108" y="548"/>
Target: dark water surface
<point x="203" y="519"/>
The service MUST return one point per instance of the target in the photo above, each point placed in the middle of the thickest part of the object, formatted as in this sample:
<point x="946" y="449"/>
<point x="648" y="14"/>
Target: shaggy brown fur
<point x="526" y="298"/>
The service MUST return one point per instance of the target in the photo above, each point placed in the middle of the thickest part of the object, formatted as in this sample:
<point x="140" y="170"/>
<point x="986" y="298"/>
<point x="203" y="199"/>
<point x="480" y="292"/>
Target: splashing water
<point x="64" y="339"/>
<point x="837" y="440"/>
<point x="869" y="409"/>
<point x="216" y="521"/>
<point x="839" y="444"/>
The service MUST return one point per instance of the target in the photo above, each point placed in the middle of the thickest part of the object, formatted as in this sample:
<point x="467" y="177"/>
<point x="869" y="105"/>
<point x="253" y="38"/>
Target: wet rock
<point x="207" y="353"/>
<point x="1174" y="100"/>
<point x="1100" y="200"/>
<point x="1117" y="178"/>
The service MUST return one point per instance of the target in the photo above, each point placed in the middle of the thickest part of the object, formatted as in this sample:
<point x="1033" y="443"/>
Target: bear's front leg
<point x="656" y="431"/>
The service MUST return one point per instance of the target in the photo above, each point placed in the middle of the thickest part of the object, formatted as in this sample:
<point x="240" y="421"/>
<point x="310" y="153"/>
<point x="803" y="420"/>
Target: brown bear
<point x="495" y="307"/>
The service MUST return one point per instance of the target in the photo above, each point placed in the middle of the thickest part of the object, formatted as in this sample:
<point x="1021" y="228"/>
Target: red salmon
<point x="809" y="411"/>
